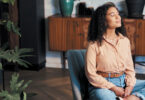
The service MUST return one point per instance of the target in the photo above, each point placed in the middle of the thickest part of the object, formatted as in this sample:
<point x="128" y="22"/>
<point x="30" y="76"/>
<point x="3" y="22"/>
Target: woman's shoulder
<point x="92" y="44"/>
<point x="125" y="38"/>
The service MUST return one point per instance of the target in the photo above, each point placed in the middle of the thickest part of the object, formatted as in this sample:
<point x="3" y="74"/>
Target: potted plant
<point x="17" y="88"/>
<point x="15" y="56"/>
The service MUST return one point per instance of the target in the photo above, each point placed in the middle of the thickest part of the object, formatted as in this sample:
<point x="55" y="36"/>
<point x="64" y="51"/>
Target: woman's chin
<point x="119" y="25"/>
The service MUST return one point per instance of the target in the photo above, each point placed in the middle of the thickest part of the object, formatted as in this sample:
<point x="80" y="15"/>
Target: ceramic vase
<point x="66" y="7"/>
<point x="135" y="8"/>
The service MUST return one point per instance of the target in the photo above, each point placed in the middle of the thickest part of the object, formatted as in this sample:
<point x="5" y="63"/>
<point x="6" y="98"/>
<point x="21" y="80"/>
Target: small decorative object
<point x="81" y="7"/>
<point x="82" y="10"/>
<point x="135" y="8"/>
<point x="89" y="11"/>
<point x="66" y="7"/>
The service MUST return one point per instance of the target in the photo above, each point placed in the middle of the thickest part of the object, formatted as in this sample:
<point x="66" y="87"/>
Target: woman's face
<point x="113" y="18"/>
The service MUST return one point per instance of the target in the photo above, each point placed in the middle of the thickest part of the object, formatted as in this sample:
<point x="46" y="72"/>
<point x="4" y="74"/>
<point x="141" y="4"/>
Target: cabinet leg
<point x="63" y="60"/>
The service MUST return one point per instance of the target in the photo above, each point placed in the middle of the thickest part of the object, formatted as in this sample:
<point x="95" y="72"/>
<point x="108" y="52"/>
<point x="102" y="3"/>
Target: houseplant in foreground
<point x="17" y="87"/>
<point x="15" y="56"/>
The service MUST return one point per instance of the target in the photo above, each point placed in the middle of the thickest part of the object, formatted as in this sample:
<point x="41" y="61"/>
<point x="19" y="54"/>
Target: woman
<point x="109" y="66"/>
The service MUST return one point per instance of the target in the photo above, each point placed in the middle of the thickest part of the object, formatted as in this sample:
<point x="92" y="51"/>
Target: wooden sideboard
<point x="67" y="33"/>
<point x="71" y="33"/>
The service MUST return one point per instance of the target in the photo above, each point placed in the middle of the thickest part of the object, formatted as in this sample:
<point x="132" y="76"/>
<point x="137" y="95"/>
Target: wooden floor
<point x="48" y="83"/>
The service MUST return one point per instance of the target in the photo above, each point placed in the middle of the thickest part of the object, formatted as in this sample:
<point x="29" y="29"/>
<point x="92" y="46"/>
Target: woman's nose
<point x="118" y="17"/>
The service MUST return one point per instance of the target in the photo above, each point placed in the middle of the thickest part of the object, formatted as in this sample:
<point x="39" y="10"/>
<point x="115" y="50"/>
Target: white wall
<point x="52" y="6"/>
<point x="53" y="59"/>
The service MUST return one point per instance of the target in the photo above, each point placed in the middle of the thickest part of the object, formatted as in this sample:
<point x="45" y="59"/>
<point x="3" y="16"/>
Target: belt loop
<point x="121" y="81"/>
<point x="109" y="76"/>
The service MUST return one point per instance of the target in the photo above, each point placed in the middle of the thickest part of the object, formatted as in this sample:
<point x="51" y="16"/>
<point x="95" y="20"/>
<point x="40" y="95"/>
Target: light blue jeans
<point x="106" y="94"/>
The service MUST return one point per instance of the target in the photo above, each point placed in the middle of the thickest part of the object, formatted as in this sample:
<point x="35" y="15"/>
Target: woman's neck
<point x="110" y="34"/>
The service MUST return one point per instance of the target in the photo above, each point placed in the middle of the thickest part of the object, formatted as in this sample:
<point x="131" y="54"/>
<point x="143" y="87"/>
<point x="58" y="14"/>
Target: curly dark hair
<point x="97" y="27"/>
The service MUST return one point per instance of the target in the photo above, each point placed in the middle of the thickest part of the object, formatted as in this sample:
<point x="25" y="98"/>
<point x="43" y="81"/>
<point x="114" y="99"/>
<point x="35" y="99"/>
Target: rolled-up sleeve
<point x="90" y="68"/>
<point x="130" y="72"/>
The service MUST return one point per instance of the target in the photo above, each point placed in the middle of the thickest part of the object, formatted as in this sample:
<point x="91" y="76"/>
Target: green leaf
<point x="5" y="95"/>
<point x="15" y="29"/>
<point x="10" y="26"/>
<point x="23" y="63"/>
<point x="25" y="86"/>
<point x="13" y="82"/>
<point x="16" y="89"/>
<point x="23" y="50"/>
<point x="8" y="1"/>
<point x="18" y="86"/>
<point x="25" y="96"/>
<point x="12" y="2"/>
<point x="16" y="56"/>
<point x="1" y="67"/>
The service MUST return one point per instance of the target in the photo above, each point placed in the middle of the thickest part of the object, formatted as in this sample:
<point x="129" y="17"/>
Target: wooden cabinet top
<point x="80" y="17"/>
<point x="73" y="16"/>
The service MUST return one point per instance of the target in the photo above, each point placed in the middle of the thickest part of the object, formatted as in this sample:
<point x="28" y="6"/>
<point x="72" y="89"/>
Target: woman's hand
<point x="128" y="91"/>
<point x="118" y="91"/>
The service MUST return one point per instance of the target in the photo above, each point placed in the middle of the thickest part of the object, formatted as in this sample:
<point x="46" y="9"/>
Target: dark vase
<point x="135" y="8"/>
<point x="84" y="11"/>
<point x="81" y="7"/>
<point x="89" y="11"/>
<point x="66" y="7"/>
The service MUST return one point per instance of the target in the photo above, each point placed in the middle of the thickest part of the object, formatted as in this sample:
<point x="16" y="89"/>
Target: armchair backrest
<point x="76" y="63"/>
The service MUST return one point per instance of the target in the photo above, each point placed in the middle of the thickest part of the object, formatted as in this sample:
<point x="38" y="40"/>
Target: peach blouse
<point x="109" y="58"/>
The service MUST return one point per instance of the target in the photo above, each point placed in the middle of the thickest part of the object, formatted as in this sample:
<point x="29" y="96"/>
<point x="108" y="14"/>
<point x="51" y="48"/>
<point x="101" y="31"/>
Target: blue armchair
<point x="76" y="63"/>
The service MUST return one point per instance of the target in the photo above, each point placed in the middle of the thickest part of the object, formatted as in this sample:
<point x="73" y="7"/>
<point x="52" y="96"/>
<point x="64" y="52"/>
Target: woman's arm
<point x="130" y="72"/>
<point x="90" y="68"/>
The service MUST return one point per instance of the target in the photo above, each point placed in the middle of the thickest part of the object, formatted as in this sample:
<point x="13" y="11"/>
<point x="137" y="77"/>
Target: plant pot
<point x="135" y="8"/>
<point x="66" y="7"/>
